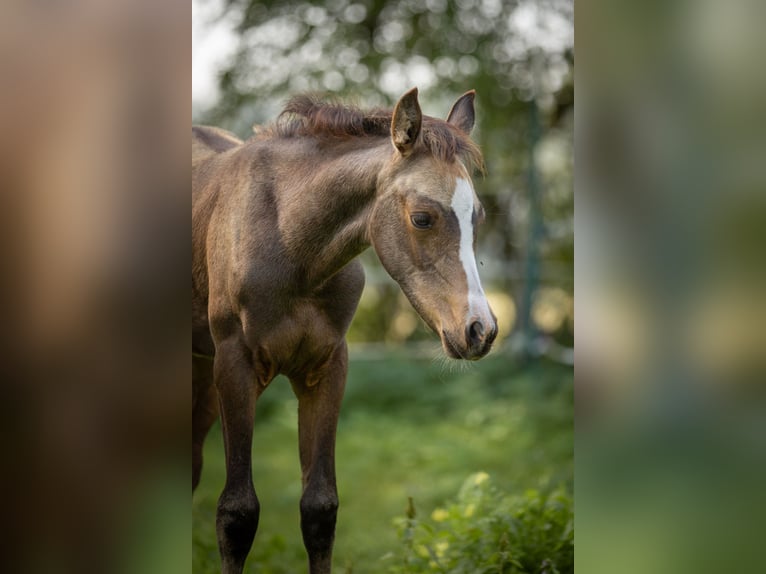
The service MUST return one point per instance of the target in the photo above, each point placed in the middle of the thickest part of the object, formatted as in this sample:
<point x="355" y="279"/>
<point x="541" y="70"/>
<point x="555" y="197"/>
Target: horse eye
<point x="421" y="220"/>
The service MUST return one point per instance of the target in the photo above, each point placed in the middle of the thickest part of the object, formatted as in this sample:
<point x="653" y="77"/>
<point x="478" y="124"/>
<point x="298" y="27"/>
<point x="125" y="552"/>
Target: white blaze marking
<point x="462" y="205"/>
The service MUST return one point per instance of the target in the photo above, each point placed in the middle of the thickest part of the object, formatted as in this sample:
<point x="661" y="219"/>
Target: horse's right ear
<point x="406" y="122"/>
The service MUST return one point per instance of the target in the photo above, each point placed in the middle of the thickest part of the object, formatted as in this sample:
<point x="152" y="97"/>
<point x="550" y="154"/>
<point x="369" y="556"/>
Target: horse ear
<point x="406" y="121"/>
<point x="462" y="115"/>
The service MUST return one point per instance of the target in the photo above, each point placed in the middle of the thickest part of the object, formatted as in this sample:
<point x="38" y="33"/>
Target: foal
<point x="277" y="223"/>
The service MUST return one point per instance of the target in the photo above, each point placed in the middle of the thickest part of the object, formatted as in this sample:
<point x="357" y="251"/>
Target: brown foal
<point x="277" y="222"/>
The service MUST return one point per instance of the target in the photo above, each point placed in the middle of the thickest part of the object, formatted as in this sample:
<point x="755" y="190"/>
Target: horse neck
<point x="326" y="208"/>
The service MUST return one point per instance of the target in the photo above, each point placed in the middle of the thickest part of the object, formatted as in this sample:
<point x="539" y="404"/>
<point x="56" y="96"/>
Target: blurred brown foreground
<point x="94" y="110"/>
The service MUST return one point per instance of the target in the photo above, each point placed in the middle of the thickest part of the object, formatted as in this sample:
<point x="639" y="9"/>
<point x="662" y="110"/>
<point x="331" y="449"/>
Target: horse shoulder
<point x="341" y="294"/>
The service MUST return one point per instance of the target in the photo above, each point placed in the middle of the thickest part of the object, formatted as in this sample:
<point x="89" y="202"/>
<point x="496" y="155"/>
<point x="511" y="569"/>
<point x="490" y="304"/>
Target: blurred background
<point x="415" y="426"/>
<point x="671" y="224"/>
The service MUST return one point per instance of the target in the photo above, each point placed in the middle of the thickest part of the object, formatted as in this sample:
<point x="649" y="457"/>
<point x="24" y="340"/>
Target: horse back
<point x="208" y="140"/>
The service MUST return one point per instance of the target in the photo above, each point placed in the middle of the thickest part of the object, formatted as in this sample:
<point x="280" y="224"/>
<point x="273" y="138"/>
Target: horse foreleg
<point x="238" y="507"/>
<point x="319" y="398"/>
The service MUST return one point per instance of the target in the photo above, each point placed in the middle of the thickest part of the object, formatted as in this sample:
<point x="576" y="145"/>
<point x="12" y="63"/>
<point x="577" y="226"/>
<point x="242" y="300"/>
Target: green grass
<point x="408" y="429"/>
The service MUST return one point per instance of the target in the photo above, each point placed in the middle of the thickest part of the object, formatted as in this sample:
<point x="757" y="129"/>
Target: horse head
<point x="424" y="223"/>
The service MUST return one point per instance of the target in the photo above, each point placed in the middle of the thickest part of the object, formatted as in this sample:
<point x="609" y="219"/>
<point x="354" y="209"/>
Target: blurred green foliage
<point x="519" y="57"/>
<point x="671" y="441"/>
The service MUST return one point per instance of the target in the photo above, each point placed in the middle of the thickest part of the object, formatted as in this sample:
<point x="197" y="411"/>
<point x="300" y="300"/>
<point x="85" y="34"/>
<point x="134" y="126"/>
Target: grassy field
<point x="409" y="428"/>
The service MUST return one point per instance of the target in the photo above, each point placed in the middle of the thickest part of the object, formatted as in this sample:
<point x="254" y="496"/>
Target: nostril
<point x="475" y="332"/>
<point x="492" y="334"/>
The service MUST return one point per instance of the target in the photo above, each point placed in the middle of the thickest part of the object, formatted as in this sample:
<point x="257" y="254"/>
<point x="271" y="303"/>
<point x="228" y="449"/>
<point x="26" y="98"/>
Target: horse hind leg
<point x="204" y="411"/>
<point x="318" y="410"/>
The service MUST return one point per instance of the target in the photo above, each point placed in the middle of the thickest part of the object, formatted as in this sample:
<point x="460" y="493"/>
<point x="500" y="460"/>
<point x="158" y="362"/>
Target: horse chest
<point x="296" y="333"/>
<point x="297" y="341"/>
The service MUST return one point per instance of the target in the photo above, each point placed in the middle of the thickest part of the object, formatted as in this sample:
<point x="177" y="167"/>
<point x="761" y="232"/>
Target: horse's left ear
<point x="406" y="121"/>
<point x="462" y="115"/>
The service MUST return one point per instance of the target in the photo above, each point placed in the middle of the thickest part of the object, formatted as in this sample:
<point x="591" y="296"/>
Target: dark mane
<point x="311" y="115"/>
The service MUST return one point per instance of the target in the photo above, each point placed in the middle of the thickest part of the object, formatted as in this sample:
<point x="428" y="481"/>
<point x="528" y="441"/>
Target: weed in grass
<point x="485" y="531"/>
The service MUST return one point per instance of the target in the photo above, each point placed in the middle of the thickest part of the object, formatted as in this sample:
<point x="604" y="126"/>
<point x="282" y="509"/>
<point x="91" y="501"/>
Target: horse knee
<point x="236" y="523"/>
<point x="318" y="515"/>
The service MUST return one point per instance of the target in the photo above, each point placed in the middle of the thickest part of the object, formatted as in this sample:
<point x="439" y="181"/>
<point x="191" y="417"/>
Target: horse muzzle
<point x="473" y="343"/>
